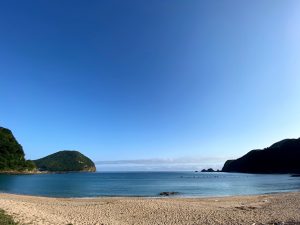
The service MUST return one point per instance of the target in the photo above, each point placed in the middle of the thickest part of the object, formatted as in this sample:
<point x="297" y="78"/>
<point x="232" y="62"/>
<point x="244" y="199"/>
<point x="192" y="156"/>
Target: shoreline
<point x="38" y="172"/>
<point x="177" y="196"/>
<point x="249" y="209"/>
<point x="29" y="172"/>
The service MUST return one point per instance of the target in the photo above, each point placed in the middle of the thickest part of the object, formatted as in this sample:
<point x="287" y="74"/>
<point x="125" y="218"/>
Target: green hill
<point x="65" y="161"/>
<point x="12" y="157"/>
<point x="281" y="157"/>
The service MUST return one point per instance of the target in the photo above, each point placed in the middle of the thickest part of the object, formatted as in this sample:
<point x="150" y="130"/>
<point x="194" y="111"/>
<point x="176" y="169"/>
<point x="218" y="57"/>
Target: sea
<point x="147" y="184"/>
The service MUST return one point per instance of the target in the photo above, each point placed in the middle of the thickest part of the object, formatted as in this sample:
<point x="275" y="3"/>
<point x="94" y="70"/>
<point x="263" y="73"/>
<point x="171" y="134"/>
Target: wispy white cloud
<point x="161" y="164"/>
<point x="160" y="161"/>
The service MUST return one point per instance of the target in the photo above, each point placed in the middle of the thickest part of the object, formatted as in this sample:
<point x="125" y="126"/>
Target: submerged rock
<point x="168" y="193"/>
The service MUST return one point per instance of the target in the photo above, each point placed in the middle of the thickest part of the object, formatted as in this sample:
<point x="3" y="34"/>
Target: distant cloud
<point x="159" y="161"/>
<point x="161" y="164"/>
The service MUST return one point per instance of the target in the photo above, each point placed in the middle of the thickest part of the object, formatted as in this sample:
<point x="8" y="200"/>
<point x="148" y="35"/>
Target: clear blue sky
<point x="179" y="81"/>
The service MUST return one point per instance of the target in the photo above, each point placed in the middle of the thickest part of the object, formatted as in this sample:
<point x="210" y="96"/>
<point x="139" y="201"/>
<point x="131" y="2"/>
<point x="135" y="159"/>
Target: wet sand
<point x="259" y="209"/>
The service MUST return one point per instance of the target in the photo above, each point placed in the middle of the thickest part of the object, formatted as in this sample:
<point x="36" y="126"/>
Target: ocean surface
<point x="148" y="184"/>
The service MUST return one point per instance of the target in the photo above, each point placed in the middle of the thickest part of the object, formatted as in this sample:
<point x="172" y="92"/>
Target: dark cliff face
<point x="12" y="157"/>
<point x="281" y="157"/>
<point x="66" y="161"/>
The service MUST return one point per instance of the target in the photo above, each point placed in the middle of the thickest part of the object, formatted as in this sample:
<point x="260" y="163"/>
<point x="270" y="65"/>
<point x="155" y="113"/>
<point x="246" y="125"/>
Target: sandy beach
<point x="260" y="209"/>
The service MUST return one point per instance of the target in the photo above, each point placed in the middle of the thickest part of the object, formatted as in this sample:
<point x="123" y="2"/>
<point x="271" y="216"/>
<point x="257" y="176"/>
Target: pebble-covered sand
<point x="262" y="209"/>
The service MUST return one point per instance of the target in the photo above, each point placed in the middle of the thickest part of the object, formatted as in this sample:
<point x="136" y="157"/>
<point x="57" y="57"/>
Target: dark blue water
<point x="150" y="184"/>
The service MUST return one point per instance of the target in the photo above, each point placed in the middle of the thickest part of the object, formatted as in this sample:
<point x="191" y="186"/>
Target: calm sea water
<point x="150" y="184"/>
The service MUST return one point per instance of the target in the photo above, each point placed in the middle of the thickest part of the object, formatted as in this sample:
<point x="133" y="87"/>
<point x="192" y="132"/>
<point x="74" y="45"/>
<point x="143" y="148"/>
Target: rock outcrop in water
<point x="12" y="157"/>
<point x="209" y="170"/>
<point x="66" y="161"/>
<point x="281" y="157"/>
<point x="168" y="193"/>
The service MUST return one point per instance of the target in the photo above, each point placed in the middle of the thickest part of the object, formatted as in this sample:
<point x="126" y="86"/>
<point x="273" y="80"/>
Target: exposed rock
<point x="295" y="175"/>
<point x="167" y="193"/>
<point x="208" y="170"/>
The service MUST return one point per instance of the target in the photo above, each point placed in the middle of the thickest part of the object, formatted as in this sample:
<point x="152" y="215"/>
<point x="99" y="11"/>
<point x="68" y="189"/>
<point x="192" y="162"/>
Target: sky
<point x="150" y="85"/>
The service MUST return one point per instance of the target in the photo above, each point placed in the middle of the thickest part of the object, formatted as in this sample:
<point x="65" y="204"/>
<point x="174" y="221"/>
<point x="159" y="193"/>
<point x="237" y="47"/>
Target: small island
<point x="12" y="159"/>
<point x="65" y="161"/>
<point x="209" y="170"/>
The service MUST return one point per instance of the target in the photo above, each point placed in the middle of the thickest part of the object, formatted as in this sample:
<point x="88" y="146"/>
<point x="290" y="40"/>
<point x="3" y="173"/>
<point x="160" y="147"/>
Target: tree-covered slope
<point x="281" y="157"/>
<point x="65" y="161"/>
<point x="12" y="157"/>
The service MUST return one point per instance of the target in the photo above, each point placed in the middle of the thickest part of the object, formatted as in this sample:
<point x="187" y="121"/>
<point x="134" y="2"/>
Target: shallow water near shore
<point x="147" y="184"/>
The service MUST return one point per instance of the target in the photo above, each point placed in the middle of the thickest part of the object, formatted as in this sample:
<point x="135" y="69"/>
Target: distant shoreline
<point x="39" y="172"/>
<point x="15" y="172"/>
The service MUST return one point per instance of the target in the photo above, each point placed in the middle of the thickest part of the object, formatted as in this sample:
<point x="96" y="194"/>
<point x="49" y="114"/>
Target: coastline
<point x="34" y="172"/>
<point x="254" y="209"/>
<point x="26" y="172"/>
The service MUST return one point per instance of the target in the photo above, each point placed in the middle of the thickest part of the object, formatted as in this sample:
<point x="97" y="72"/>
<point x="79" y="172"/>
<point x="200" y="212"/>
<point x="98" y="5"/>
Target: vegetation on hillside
<point x="65" y="161"/>
<point x="281" y="157"/>
<point x="12" y="157"/>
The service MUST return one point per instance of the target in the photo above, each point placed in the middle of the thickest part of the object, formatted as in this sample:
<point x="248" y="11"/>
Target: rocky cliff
<point x="281" y="157"/>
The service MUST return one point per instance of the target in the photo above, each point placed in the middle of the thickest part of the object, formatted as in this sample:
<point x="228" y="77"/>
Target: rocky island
<point x="209" y="170"/>
<point x="281" y="157"/>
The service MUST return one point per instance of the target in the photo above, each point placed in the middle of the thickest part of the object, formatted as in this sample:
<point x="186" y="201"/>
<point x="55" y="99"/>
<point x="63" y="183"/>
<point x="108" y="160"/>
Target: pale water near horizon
<point x="147" y="184"/>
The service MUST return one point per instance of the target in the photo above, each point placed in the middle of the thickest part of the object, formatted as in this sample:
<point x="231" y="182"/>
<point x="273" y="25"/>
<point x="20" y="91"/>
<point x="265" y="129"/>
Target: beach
<point x="259" y="209"/>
